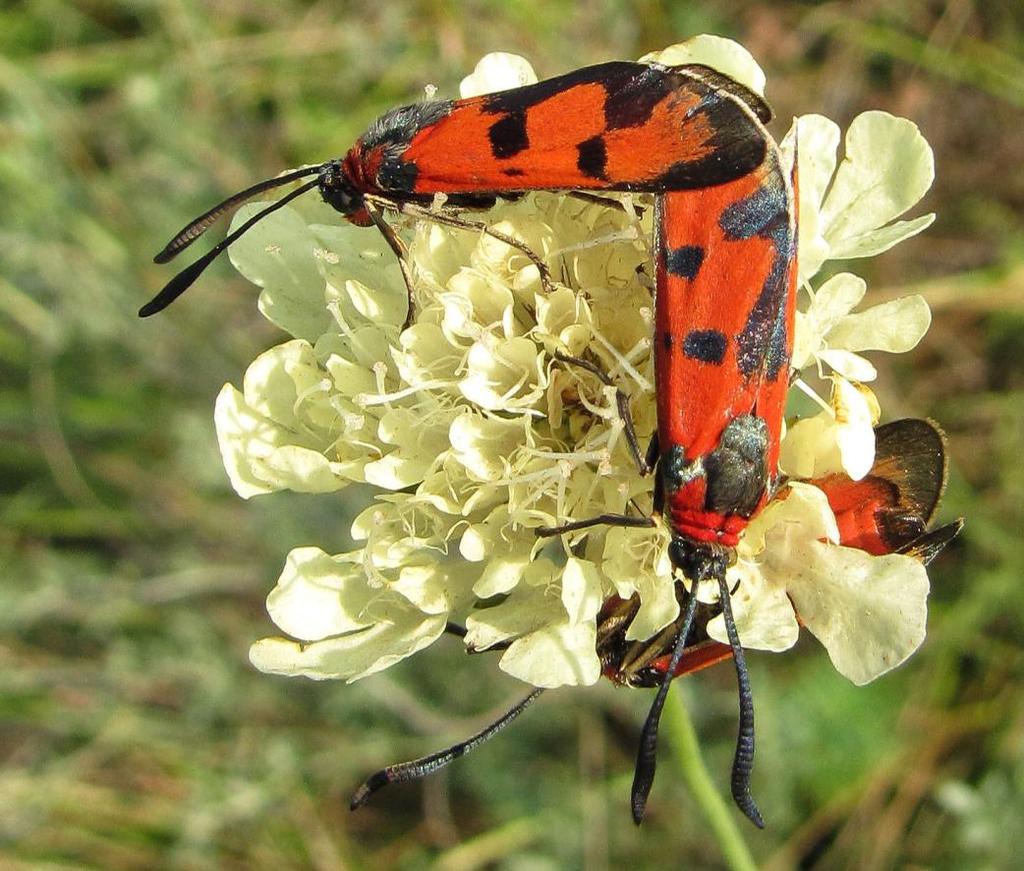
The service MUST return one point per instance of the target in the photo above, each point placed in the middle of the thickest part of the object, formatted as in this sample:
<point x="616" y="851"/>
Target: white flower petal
<point x="484" y="444"/>
<point x="278" y="379"/>
<point x="350" y="657"/>
<point x="239" y="432"/>
<point x="720" y="54"/>
<point x="563" y="315"/>
<point x="501" y="573"/>
<point x="888" y="167"/>
<point x="427" y="357"/>
<point x="319" y="595"/>
<point x="395" y="471"/>
<point x="497" y="71"/>
<point x="292" y="467"/>
<point x="807" y="341"/>
<point x="581" y="590"/>
<point x="802" y="511"/>
<point x="636" y="561"/>
<point x="835" y="299"/>
<point x="429" y="587"/>
<point x="473" y="304"/>
<point x="349" y="378"/>
<point x="851" y="366"/>
<point x="855" y="413"/>
<point x="527" y="609"/>
<point x="559" y="655"/>
<point x="874" y="242"/>
<point x="504" y="374"/>
<point x="658" y="607"/>
<point x="818" y="140"/>
<point x="810" y="449"/>
<point x="362" y="276"/>
<point x="895" y="326"/>
<point x="505" y="550"/>
<point x="277" y="254"/>
<point x="868" y="611"/>
<point x="259" y="459"/>
<point x="763" y="613"/>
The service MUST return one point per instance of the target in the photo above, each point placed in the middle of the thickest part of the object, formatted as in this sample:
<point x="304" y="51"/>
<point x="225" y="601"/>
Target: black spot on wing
<point x="763" y="343"/>
<point x="469" y="200"/>
<point x="592" y="157"/>
<point x="391" y="133"/>
<point x="725" y="163"/>
<point x="666" y="340"/>
<point x="685" y="261"/>
<point x="508" y="135"/>
<point x="777" y="359"/>
<point x="613" y="76"/>
<point x="513" y="172"/>
<point x="632" y="104"/>
<point x="760" y="214"/>
<point x="397" y="177"/>
<point x="707" y="346"/>
<point x="723" y="83"/>
<point x="737" y="144"/>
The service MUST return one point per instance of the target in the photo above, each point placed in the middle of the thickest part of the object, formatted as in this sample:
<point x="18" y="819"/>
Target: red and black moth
<point x="726" y="243"/>
<point x="725" y="272"/>
<point x="617" y="126"/>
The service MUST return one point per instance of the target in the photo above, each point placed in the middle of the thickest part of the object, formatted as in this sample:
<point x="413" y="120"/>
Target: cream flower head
<point x="477" y="435"/>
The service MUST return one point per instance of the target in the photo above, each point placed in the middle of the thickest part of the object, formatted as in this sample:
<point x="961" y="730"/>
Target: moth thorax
<point x="737" y="469"/>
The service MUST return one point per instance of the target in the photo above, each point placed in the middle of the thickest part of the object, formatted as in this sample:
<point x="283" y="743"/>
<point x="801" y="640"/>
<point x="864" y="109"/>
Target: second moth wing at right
<point x="888" y="510"/>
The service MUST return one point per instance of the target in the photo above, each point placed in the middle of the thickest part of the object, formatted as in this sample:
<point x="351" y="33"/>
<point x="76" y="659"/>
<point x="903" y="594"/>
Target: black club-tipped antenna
<point x="425" y="765"/>
<point x="743" y="761"/>
<point x="193" y="230"/>
<point x="184" y="279"/>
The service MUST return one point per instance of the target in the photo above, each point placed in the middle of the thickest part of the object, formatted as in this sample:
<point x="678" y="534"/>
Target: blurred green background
<point x="134" y="733"/>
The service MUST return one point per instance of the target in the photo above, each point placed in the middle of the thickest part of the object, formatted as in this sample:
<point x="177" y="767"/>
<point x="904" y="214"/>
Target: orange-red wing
<point x="615" y="126"/>
<point x="888" y="510"/>
<point x="724" y="314"/>
<point x="695" y="658"/>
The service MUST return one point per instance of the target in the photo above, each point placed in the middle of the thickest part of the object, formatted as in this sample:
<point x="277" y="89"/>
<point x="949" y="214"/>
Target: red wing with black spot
<point x="614" y="126"/>
<point x="725" y="308"/>
<point x="888" y="510"/>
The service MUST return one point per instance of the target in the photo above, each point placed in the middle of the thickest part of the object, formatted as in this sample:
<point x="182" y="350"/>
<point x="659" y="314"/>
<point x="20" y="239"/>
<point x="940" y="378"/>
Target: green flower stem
<point x="677" y="727"/>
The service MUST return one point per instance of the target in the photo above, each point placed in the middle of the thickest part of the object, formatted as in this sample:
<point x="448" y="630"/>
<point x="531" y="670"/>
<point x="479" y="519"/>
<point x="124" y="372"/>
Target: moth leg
<point x="481" y="227"/>
<point x="599" y="520"/>
<point x="644" y="464"/>
<point x="609" y="202"/>
<point x="401" y="253"/>
<point x="621" y="403"/>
